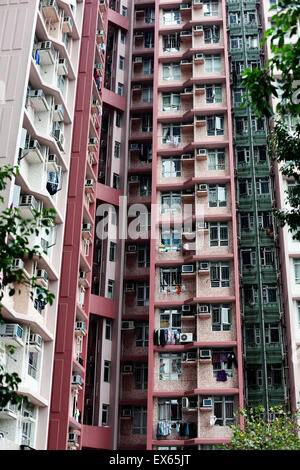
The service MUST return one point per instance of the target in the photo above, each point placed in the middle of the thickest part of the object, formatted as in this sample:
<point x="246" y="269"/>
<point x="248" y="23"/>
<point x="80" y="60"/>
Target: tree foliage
<point x="280" y="432"/>
<point x="15" y="233"/>
<point x="280" y="79"/>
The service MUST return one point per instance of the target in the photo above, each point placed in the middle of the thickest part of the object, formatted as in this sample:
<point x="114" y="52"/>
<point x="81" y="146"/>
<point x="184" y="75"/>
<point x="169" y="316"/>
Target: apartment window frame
<point x="108" y="329"/>
<point x="143" y="256"/>
<point x="272" y="333"/>
<point x="270" y="293"/>
<point x="210" y="8"/>
<point x="112" y="251"/>
<point x="218" y="234"/>
<point x="140" y="376"/>
<point x="169" y="279"/>
<point x="223" y="413"/>
<point x="120" y="90"/>
<point x="296" y="262"/>
<point x="141" y="335"/>
<point x="219" y="317"/>
<point x="170" y="319"/>
<point x="215" y="125"/>
<point x="170" y="366"/>
<point x="171" y="202"/>
<point x="217" y="195"/>
<point x="220" y="274"/>
<point x="171" y="71"/>
<point x="171" y="131"/>
<point x="110" y="289"/>
<point x="171" y="238"/>
<point x="142" y="294"/>
<point x="171" y="42"/>
<point x="171" y="167"/>
<point x="211" y="34"/>
<point x="106" y="371"/>
<point x="139" y="420"/>
<point x="212" y="63"/>
<point x="171" y="16"/>
<point x="105" y="414"/>
<point x="117" y="149"/>
<point x="216" y="159"/>
<point x="171" y="101"/>
<point x="121" y="62"/>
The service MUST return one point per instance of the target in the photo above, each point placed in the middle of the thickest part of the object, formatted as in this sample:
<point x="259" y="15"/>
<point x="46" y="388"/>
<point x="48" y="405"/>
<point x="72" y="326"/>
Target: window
<point x="121" y="62"/>
<point x="105" y="410"/>
<point x="169" y="410"/>
<point x="170" y="202"/>
<point x="145" y="153"/>
<point x="223" y="410"/>
<point x="147" y="120"/>
<point x="170" y="279"/>
<point x="171" y="17"/>
<point x="222" y="365"/>
<point x="254" y="377"/>
<point x="263" y="185"/>
<point x="171" y="238"/>
<point x="148" y="66"/>
<point x="110" y="289"/>
<point x="243" y="155"/>
<point x="118" y="119"/>
<point x="142" y="294"/>
<point x="106" y="369"/>
<point x="221" y="317"/>
<point x="241" y="125"/>
<point x="274" y="373"/>
<point x="215" y="125"/>
<point x="238" y="96"/>
<point x="253" y="336"/>
<point x="171" y="167"/>
<point x="248" y="257"/>
<point x="171" y="133"/>
<point x="117" y="150"/>
<point x="116" y="181"/>
<point x="141" y="376"/>
<point x="148" y="40"/>
<point x="171" y="102"/>
<point x="234" y="18"/>
<point x="250" y="17"/>
<point x="124" y="11"/>
<point x="236" y="42"/>
<point x="260" y="154"/>
<point x="272" y="333"/>
<point x="297" y="270"/>
<point x="33" y="364"/>
<point x="123" y="37"/>
<point x="267" y="256"/>
<point x="171" y="43"/>
<point x="298" y="312"/>
<point x="108" y="329"/>
<point x="143" y="256"/>
<point x="171" y="71"/>
<point x="258" y="124"/>
<point x="145" y="185"/>
<point x="149" y="14"/>
<point x="265" y="220"/>
<point x="210" y="8"/>
<point x="215" y="160"/>
<point x="139" y="421"/>
<point x="218" y="232"/>
<point x="26" y="433"/>
<point x="141" y="335"/>
<point x="170" y="319"/>
<point x="250" y="296"/>
<point x="170" y="366"/>
<point x="120" y="89"/>
<point x="219" y="274"/>
<point x="212" y="63"/>
<point x="217" y="195"/>
<point x="252" y="42"/>
<point x="246" y="221"/>
<point x="211" y="35"/>
<point x="213" y="93"/>
<point x="269" y="294"/>
<point x="112" y="251"/>
<point x="147" y="95"/>
<point x="245" y="187"/>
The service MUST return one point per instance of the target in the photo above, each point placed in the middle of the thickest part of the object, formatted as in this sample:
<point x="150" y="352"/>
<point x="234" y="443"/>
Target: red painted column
<point x="68" y="296"/>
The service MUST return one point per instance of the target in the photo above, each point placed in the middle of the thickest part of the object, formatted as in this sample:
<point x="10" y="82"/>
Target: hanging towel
<point x="216" y="358"/>
<point x="221" y="376"/>
<point x="223" y="357"/>
<point x="231" y="359"/>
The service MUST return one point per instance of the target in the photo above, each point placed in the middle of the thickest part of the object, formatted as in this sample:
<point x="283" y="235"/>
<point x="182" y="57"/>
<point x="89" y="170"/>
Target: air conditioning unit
<point x="72" y="437"/>
<point x="185" y="6"/>
<point x="35" y="340"/>
<point x="42" y="277"/>
<point x="38" y="100"/>
<point x="18" y="263"/>
<point x="129" y="287"/>
<point x="76" y="380"/>
<point x="89" y="185"/>
<point x="127" y="325"/>
<point x="205" y="354"/>
<point x="87" y="229"/>
<point x="126" y="413"/>
<point x="52" y="163"/>
<point x="185" y="61"/>
<point x="185" y="33"/>
<point x="187" y="268"/>
<point x="202" y="225"/>
<point x="67" y="24"/>
<point x="199" y="56"/>
<point x="201" y="151"/>
<point x="186" y="156"/>
<point x="10" y="332"/>
<point x="127" y="368"/>
<point x="137" y="87"/>
<point x="58" y="112"/>
<point x="185" y="403"/>
<point x="33" y="144"/>
<point x="191" y="356"/>
<point x="188" y="90"/>
<point x="138" y="60"/>
<point x="60" y="138"/>
<point x="204" y="266"/>
<point x="82" y="275"/>
<point x="46" y="52"/>
<point x="62" y="67"/>
<point x="203" y="308"/>
<point x="27" y="205"/>
<point x="202" y="187"/>
<point x="131" y="248"/>
<point x="134" y="146"/>
<point x="80" y="326"/>
<point x="186" y="308"/>
<point x="92" y="144"/>
<point x="198" y="28"/>
<point x="186" y="337"/>
<point x="134" y="178"/>
<point x="207" y="402"/>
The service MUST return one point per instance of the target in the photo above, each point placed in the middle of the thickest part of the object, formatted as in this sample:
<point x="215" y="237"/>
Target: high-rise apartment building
<point x="165" y="263"/>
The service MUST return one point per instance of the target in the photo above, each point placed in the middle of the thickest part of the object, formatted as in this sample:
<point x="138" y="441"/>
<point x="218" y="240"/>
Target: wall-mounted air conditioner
<point x="205" y="354"/>
<point x="186" y="308"/>
<point x="187" y="268"/>
<point x="62" y="67"/>
<point x="72" y="437"/>
<point x="191" y="356"/>
<point x="186" y="337"/>
<point x="129" y="287"/>
<point x="202" y="187"/>
<point x="126" y="412"/>
<point x="203" y="309"/>
<point x="186" y="156"/>
<point x="185" y="403"/>
<point x="35" y="340"/>
<point x="67" y="24"/>
<point x="127" y="325"/>
<point x="18" y="263"/>
<point x="204" y="266"/>
<point x="127" y="368"/>
<point x="76" y="380"/>
<point x="207" y="402"/>
<point x="58" y="112"/>
<point x="131" y="248"/>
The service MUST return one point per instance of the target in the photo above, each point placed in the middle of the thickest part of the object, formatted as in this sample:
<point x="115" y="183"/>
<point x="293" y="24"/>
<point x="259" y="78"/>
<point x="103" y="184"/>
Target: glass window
<point x="170" y="366"/>
<point x="170" y="279"/>
<point x="112" y="251"/>
<point x="117" y="150"/>
<point x="120" y="89"/>
<point x="171" y="17"/>
<point x="213" y="93"/>
<point x="170" y="202"/>
<point x="171" y="167"/>
<point x="221" y="317"/>
<point x="215" y="125"/>
<point x="142" y="296"/>
<point x="108" y="329"/>
<point x="106" y="370"/>
<point x="215" y="160"/>
<point x="223" y="410"/>
<point x="171" y="239"/>
<point x="143" y="256"/>
<point x="33" y="364"/>
<point x="105" y="410"/>
<point x="110" y="289"/>
<point x="139" y="421"/>
<point x="141" y="376"/>
<point x="219" y="274"/>
<point x="121" y="62"/>
<point x="297" y="270"/>
<point x="141" y="335"/>
<point x="218" y="234"/>
<point x="217" y="195"/>
<point x="171" y="71"/>
<point x="212" y="63"/>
